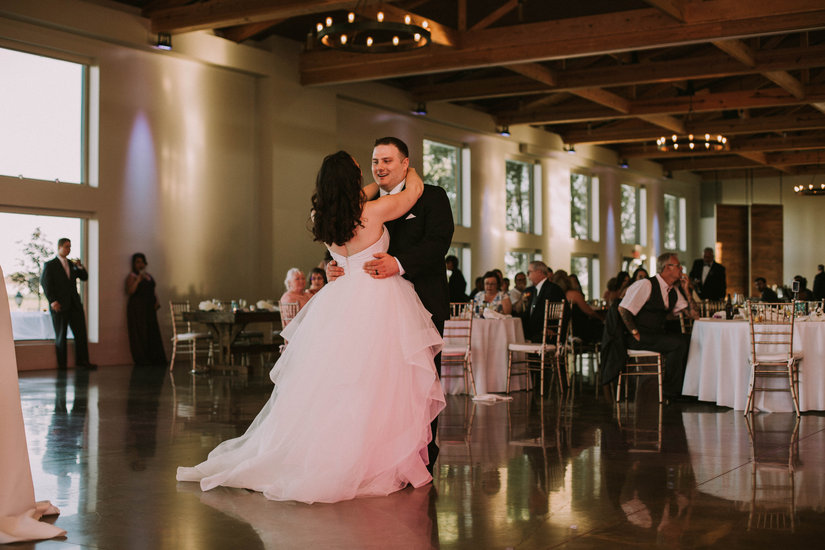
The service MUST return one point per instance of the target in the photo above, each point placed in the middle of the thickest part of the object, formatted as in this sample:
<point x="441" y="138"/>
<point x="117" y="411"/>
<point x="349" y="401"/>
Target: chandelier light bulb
<point x="343" y="39"/>
<point x="369" y="41"/>
<point x="329" y="21"/>
<point x="395" y="40"/>
<point x="417" y="37"/>
<point x="350" y="17"/>
<point x="674" y="137"/>
<point x="424" y="24"/>
<point x="675" y="145"/>
<point x="407" y="19"/>
<point x="707" y="137"/>
<point x="319" y="27"/>
<point x="691" y="146"/>
<point x="380" y="16"/>
<point x="690" y="137"/>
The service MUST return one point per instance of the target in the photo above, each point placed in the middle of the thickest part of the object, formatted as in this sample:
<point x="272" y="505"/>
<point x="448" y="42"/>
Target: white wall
<point x="208" y="156"/>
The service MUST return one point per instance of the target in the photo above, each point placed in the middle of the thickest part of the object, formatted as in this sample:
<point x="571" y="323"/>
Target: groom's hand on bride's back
<point x="334" y="271"/>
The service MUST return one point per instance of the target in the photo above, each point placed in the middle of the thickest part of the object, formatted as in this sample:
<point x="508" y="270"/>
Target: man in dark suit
<point x="58" y="282"/>
<point x="709" y="277"/>
<point x="819" y="283"/>
<point x="766" y="293"/>
<point x="419" y="240"/>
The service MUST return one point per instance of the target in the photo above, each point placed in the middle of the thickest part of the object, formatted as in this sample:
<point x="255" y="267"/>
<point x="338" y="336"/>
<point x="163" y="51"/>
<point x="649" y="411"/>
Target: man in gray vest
<point x="646" y="307"/>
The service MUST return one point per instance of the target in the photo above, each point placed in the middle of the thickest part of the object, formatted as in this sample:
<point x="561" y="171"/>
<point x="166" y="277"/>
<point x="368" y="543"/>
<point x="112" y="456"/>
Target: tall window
<point x="28" y="242"/>
<point x="586" y="268"/>
<point x="633" y="215"/>
<point x="443" y="167"/>
<point x="520" y="196"/>
<point x="583" y="207"/>
<point x="43" y="117"/>
<point x="517" y="260"/>
<point x="675" y="223"/>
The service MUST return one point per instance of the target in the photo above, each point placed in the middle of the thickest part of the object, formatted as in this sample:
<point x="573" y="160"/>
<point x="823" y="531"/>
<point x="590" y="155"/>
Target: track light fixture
<point x="164" y="41"/>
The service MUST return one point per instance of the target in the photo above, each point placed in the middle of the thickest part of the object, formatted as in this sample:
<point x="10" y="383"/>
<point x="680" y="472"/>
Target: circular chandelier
<point x="810" y="189"/>
<point x="691" y="142"/>
<point x="368" y="36"/>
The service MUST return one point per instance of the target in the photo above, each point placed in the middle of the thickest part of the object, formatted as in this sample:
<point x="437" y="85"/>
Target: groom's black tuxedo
<point x="420" y="240"/>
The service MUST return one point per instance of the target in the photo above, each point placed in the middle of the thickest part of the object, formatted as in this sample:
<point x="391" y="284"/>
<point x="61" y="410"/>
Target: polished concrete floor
<point x="573" y="473"/>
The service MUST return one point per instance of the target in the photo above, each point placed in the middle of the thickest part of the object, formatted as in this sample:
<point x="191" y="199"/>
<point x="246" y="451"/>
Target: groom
<point x="419" y="240"/>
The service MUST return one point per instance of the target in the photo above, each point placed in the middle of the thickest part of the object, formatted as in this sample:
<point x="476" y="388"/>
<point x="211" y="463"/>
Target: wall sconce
<point x="164" y="41"/>
<point x="420" y="109"/>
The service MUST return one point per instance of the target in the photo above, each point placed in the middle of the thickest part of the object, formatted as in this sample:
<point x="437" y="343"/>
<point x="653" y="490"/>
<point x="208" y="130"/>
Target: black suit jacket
<point x="58" y="287"/>
<point x="819" y="286"/>
<point x="715" y="285"/>
<point x="533" y="319"/>
<point x="420" y="240"/>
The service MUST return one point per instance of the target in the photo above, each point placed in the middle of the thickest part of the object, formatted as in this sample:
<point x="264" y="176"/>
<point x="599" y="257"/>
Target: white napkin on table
<point x="207" y="306"/>
<point x="492" y="314"/>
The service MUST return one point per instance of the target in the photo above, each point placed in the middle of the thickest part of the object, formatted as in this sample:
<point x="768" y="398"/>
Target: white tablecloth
<point x="718" y="369"/>
<point x="33" y="325"/>
<point x="489" y="354"/>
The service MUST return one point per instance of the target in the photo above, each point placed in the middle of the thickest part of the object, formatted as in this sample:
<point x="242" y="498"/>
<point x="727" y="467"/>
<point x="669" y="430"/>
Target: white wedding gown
<point x="355" y="392"/>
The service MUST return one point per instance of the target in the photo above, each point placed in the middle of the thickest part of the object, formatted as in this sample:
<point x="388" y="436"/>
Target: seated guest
<point x="505" y="286"/>
<point x="804" y="293"/>
<point x="639" y="274"/>
<point x="517" y="292"/>
<point x="766" y="294"/>
<point x="455" y="281"/>
<point x="317" y="280"/>
<point x="535" y="297"/>
<point x="295" y="283"/>
<point x="493" y="297"/>
<point x="588" y="324"/>
<point x="646" y="307"/>
<point x="617" y="289"/>
<point x="478" y="288"/>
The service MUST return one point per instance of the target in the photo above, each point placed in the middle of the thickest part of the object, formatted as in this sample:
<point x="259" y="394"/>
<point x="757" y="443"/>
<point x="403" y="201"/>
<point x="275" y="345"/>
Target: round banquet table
<point x="489" y="357"/>
<point x="718" y="370"/>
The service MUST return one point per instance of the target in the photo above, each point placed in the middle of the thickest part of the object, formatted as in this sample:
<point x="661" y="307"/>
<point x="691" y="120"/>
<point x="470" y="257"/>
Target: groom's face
<point x="389" y="168"/>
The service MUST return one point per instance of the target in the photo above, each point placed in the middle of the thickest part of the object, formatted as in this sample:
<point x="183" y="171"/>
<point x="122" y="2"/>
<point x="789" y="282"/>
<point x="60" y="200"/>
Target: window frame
<point x="460" y="207"/>
<point x="533" y="170"/>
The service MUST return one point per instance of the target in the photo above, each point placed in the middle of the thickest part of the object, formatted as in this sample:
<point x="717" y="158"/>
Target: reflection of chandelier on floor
<point x="368" y="36"/>
<point x="692" y="141"/>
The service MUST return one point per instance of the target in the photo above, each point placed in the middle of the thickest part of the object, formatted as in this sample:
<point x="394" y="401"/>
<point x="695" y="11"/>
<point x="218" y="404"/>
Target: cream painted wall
<point x="802" y="218"/>
<point x="208" y="156"/>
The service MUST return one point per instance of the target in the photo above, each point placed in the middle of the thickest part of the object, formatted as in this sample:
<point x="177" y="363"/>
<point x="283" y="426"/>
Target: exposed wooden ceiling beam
<point x="709" y="163"/>
<point x="742" y="52"/>
<point x="632" y="131"/>
<point x="770" y="97"/>
<point x="245" y="32"/>
<point x="495" y="15"/>
<point x="229" y="13"/>
<point x="706" y="66"/>
<point x="535" y="71"/>
<point x="591" y="35"/>
<point x="674" y="8"/>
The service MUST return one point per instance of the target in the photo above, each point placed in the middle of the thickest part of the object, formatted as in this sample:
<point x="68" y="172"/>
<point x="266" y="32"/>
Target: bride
<point x="356" y="388"/>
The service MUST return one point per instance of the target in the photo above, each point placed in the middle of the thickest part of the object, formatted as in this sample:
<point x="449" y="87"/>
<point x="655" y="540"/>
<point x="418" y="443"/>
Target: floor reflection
<point x="575" y="470"/>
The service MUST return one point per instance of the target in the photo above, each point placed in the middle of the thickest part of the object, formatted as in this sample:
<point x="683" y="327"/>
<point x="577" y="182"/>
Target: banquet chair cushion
<point x="453" y="349"/>
<point x="778" y="357"/>
<point x="641" y="353"/>
<point x="528" y="347"/>
<point x="186" y="336"/>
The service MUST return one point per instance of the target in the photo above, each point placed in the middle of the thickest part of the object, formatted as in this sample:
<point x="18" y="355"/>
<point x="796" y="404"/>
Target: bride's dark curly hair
<point x="337" y="201"/>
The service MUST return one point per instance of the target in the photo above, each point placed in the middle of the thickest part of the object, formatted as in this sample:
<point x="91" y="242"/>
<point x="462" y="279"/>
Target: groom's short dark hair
<point x="400" y="145"/>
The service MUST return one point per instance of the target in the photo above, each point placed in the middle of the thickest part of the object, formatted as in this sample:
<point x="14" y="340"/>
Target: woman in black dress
<point x="145" y="340"/>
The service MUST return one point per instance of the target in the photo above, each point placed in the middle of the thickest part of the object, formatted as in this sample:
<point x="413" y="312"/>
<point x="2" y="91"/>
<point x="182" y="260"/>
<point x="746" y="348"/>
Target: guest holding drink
<point x="492" y="297"/>
<point x="295" y="283"/>
<point x="145" y="341"/>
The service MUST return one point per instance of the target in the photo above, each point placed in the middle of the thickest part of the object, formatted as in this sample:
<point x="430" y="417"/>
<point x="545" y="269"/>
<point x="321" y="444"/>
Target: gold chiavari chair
<point x="771" y="349"/>
<point x="547" y="354"/>
<point x="184" y="336"/>
<point x="457" y="349"/>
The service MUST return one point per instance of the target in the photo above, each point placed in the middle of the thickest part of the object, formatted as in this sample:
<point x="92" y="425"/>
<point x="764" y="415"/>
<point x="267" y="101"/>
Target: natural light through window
<point x="42" y="117"/>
